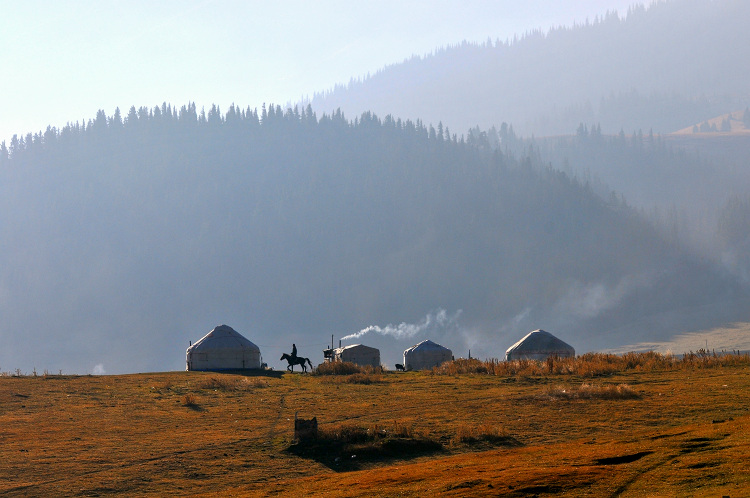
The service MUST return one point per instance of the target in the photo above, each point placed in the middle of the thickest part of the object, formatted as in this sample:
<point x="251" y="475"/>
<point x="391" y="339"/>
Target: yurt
<point x="426" y="355"/>
<point x="358" y="354"/>
<point x="223" y="349"/>
<point x="539" y="345"/>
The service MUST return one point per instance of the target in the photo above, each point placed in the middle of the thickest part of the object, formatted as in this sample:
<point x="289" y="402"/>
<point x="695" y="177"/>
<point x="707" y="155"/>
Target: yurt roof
<point x="539" y="340"/>
<point x="222" y="337"/>
<point x="426" y="345"/>
<point x="352" y="346"/>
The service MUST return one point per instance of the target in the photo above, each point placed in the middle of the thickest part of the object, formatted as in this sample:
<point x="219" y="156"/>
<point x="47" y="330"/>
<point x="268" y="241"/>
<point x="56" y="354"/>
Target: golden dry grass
<point x="345" y="368"/>
<point x="591" y="391"/>
<point x="683" y="432"/>
<point x="593" y="364"/>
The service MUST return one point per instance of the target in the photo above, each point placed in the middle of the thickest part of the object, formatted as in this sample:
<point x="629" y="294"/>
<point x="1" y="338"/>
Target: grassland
<point x="656" y="429"/>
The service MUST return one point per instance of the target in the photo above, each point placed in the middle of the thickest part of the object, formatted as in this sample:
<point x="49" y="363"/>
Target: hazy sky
<point x="63" y="61"/>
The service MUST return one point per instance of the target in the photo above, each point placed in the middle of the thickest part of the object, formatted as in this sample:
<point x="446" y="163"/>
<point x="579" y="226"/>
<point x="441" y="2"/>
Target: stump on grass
<point x="305" y="430"/>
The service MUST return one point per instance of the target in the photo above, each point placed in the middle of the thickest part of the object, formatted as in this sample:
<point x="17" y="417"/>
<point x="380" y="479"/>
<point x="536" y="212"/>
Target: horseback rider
<point x="294" y="351"/>
<point x="296" y="360"/>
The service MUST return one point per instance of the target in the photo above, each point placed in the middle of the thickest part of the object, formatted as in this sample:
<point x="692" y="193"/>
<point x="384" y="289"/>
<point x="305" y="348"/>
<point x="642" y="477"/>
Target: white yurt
<point x="223" y="349"/>
<point x="358" y="354"/>
<point x="426" y="355"/>
<point x="539" y="345"/>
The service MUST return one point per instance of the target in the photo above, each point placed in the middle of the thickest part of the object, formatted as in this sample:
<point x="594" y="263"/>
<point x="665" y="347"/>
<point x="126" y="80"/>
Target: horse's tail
<point x="308" y="361"/>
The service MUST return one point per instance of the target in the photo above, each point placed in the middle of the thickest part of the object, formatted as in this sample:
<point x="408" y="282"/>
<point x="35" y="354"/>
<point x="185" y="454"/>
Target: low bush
<point x="593" y="364"/>
<point x="256" y="382"/>
<point x="487" y="433"/>
<point x="346" y="446"/>
<point x="232" y="383"/>
<point x="345" y="368"/>
<point x="464" y="366"/>
<point x="222" y="383"/>
<point x="363" y="378"/>
<point x="591" y="391"/>
<point x="357" y="378"/>
<point x="380" y="435"/>
<point x="356" y="434"/>
<point x="337" y="368"/>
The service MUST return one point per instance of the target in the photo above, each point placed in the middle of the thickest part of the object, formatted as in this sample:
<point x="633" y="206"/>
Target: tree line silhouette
<point x="310" y="225"/>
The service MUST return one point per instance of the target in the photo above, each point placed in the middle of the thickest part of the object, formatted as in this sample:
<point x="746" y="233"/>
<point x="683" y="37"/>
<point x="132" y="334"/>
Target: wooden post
<point x="305" y="430"/>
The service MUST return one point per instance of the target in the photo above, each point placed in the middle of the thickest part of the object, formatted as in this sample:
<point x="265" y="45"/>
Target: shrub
<point x="380" y="435"/>
<point x="463" y="366"/>
<point x="345" y="368"/>
<point x="232" y="383"/>
<point x="257" y="383"/>
<point x="346" y="447"/>
<point x="224" y="383"/>
<point x="357" y="378"/>
<point x="399" y="429"/>
<point x="190" y="400"/>
<point x="593" y="364"/>
<point x="361" y="378"/>
<point x="484" y="433"/>
<point x="348" y="434"/>
<point x="337" y="368"/>
<point x="591" y="391"/>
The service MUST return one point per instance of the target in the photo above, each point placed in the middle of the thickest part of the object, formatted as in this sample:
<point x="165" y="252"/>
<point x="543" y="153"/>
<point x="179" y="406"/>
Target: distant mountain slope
<point x="689" y="181"/>
<point x="662" y="68"/>
<point x="125" y="238"/>
<point x="737" y="122"/>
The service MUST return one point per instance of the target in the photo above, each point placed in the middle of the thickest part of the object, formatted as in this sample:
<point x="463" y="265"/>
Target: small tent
<point x="539" y="345"/>
<point x="426" y="355"/>
<point x="223" y="349"/>
<point x="358" y="354"/>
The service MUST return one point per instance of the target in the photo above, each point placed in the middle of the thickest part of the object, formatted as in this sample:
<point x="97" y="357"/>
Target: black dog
<point x="399" y="366"/>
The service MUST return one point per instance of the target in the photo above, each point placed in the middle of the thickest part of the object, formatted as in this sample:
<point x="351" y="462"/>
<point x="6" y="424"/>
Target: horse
<point x="296" y="360"/>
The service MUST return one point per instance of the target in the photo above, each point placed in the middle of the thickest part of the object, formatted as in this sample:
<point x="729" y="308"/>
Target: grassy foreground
<point x="635" y="432"/>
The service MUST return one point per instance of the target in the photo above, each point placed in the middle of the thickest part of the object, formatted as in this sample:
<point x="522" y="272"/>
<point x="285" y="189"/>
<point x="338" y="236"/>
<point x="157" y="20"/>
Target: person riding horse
<point x="293" y="359"/>
<point x="300" y="360"/>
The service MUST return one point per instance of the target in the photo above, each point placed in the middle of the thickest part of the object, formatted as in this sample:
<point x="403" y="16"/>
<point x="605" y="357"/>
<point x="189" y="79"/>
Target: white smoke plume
<point x="435" y="320"/>
<point x="511" y="326"/>
<point x="99" y="369"/>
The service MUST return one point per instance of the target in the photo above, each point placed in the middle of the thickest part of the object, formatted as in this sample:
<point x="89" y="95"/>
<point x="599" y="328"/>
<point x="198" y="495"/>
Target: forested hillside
<point x="125" y="237"/>
<point x="693" y="187"/>
<point x="665" y="67"/>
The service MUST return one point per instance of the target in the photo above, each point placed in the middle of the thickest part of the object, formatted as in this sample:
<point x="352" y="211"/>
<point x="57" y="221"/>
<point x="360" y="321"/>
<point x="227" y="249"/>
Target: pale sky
<point x="63" y="61"/>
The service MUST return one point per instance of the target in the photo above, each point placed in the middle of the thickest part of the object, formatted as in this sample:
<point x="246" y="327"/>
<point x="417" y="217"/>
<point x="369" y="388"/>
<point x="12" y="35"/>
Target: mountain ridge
<point x="659" y="68"/>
